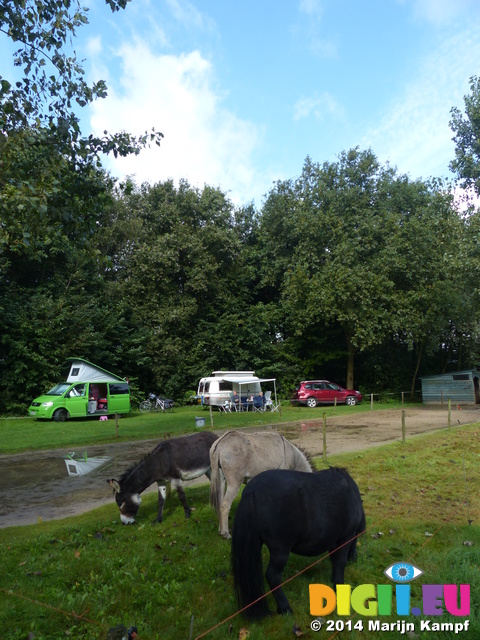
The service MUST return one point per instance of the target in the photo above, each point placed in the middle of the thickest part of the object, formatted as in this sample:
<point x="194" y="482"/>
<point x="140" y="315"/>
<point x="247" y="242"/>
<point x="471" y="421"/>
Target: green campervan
<point x="88" y="391"/>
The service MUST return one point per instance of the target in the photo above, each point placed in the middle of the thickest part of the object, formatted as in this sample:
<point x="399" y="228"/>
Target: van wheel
<point x="60" y="415"/>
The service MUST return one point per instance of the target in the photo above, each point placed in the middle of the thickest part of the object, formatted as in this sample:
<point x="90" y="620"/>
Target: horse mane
<point x="342" y="470"/>
<point x="307" y="456"/>
<point x="132" y="467"/>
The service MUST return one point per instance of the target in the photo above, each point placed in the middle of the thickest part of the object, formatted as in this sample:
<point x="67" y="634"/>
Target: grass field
<point x="20" y="434"/>
<point x="81" y="576"/>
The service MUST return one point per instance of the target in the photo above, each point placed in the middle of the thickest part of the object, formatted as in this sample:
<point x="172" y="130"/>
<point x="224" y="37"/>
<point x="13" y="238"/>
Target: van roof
<point x="89" y="372"/>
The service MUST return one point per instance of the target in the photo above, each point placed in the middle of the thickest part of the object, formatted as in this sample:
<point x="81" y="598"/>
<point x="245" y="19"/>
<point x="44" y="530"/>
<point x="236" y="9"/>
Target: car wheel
<point x="351" y="401"/>
<point x="312" y="403"/>
<point x="60" y="415"/>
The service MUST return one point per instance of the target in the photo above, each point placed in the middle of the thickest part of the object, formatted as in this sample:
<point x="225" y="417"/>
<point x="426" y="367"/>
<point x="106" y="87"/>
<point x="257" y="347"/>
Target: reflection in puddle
<point x="87" y="465"/>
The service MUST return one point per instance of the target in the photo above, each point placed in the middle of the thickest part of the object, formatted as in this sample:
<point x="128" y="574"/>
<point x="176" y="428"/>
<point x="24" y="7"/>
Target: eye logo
<point x="402" y="572"/>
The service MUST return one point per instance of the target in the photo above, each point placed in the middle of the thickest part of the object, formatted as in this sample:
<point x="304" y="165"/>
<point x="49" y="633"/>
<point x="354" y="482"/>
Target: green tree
<point x="176" y="257"/>
<point x="467" y="138"/>
<point x="364" y="254"/>
<point x="53" y="195"/>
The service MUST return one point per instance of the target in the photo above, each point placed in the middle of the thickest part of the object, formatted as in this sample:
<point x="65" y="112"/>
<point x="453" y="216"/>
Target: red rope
<point x="71" y="614"/>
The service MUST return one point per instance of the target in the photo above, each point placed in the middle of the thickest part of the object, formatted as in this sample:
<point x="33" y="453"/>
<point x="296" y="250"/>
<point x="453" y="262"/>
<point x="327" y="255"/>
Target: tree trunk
<point x="350" y="361"/>
<point x="417" y="367"/>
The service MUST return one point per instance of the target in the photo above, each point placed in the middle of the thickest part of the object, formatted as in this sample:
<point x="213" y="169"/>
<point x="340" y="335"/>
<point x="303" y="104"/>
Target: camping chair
<point x="226" y="407"/>
<point x="258" y="403"/>
<point x="269" y="403"/>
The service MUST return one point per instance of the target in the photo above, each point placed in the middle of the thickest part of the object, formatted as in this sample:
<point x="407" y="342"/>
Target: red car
<point x="314" y="392"/>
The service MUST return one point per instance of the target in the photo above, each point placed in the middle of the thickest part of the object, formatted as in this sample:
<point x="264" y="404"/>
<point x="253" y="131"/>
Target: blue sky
<point x="243" y="91"/>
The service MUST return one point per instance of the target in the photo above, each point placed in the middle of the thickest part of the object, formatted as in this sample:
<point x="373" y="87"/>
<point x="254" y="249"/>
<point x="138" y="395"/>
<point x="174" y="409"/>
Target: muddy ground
<point x="35" y="486"/>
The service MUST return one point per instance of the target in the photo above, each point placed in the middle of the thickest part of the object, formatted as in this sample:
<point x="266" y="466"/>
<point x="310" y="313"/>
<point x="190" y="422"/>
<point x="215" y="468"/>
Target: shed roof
<point x="450" y="374"/>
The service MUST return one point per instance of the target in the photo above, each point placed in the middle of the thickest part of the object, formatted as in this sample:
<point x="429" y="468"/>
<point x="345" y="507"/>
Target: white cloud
<point x="189" y="15"/>
<point x="311" y="7"/>
<point x="440" y="12"/>
<point x="318" y="106"/>
<point x="204" y="142"/>
<point x="414" y="133"/>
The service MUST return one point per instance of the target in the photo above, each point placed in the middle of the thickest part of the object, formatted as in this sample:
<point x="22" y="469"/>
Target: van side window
<point x="225" y="386"/>
<point x="76" y="391"/>
<point x="118" y="388"/>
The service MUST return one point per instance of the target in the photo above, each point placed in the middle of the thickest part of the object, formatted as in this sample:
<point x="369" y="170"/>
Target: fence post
<point x="449" y="412"/>
<point x="403" y="398"/>
<point x="334" y="404"/>
<point x="325" y="437"/>
<point x="116" y="425"/>
<point x="403" y="425"/>
<point x="371" y="402"/>
<point x="211" y="415"/>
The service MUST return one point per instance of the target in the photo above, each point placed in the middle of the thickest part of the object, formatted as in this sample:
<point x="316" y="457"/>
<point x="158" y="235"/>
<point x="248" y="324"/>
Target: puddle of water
<point x="37" y="485"/>
<point x="31" y="472"/>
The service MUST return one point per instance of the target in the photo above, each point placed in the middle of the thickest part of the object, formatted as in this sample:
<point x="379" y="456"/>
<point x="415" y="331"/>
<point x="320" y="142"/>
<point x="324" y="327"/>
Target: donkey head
<point x="128" y="503"/>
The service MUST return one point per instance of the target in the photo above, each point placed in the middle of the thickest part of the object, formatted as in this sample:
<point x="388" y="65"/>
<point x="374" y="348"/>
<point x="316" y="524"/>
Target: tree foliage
<point x="467" y="138"/>
<point x="364" y="253"/>
<point x="350" y="272"/>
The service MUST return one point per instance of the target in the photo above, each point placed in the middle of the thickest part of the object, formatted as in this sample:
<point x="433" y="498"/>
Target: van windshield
<point x="58" y="389"/>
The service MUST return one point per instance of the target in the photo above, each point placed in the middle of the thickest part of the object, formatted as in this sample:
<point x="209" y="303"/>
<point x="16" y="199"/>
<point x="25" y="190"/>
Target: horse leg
<point x="163" y="491"/>
<point x="226" y="505"/>
<point x="182" y="497"/>
<point x="352" y="551"/>
<point x="276" y="565"/>
<point x="339" y="560"/>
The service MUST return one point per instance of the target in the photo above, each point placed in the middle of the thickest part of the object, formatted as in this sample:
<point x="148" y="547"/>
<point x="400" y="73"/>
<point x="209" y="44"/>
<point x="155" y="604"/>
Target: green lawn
<point x="21" y="434"/>
<point x="80" y="576"/>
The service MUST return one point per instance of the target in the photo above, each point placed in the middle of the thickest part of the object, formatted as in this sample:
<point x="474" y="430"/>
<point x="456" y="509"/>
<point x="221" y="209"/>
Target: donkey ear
<point x="113" y="483"/>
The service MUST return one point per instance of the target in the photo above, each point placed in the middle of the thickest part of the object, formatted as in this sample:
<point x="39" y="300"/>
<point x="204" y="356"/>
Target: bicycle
<point x="155" y="403"/>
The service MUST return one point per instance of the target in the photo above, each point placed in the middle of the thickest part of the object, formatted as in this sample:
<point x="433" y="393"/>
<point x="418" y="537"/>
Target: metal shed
<point x="461" y="387"/>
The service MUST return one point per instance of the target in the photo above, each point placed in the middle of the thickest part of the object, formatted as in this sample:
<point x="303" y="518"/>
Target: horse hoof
<point x="285" y="612"/>
<point x="227" y="536"/>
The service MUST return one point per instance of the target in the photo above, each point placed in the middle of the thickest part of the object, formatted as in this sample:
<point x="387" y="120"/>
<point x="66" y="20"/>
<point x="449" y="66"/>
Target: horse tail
<point x="246" y="559"/>
<point x="215" y="478"/>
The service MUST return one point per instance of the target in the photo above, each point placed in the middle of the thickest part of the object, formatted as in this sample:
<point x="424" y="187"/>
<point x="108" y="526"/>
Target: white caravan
<point x="217" y="389"/>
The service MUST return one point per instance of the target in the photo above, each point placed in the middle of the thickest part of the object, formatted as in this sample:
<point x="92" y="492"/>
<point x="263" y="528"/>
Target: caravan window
<point x="204" y="387"/>
<point x="118" y="388"/>
<point x="225" y="386"/>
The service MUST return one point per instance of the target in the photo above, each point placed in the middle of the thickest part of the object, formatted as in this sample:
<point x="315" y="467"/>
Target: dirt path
<point x="35" y="486"/>
<point x="370" y="429"/>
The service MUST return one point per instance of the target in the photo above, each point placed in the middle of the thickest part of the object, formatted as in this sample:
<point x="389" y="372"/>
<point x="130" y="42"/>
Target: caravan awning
<point x="247" y="380"/>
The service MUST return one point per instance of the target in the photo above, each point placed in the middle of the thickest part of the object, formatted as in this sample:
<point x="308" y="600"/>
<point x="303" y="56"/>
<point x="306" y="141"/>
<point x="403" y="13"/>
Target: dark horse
<point x="171" y="461"/>
<point x="292" y="512"/>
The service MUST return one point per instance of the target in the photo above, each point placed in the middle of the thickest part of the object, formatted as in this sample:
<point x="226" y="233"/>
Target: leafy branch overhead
<point x="52" y="188"/>
<point x="53" y="83"/>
